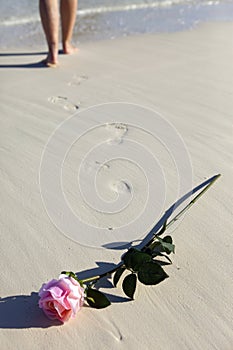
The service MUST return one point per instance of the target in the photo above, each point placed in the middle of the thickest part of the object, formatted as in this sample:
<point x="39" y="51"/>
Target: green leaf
<point x="96" y="299"/>
<point x="164" y="256"/>
<point x="156" y="248"/>
<point x="70" y="274"/>
<point x="117" y="275"/>
<point x="90" y="299"/>
<point x="151" y="273"/>
<point x="134" y="258"/>
<point x="167" y="245"/>
<point x="167" y="239"/>
<point x="129" y="285"/>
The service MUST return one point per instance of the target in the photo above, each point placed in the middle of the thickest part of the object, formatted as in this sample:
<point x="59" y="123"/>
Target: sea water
<point x="107" y="19"/>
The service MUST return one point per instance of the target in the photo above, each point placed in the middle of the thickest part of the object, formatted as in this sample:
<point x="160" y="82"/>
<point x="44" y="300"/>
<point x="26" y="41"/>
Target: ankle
<point x="66" y="43"/>
<point x="53" y="51"/>
<point x="68" y="48"/>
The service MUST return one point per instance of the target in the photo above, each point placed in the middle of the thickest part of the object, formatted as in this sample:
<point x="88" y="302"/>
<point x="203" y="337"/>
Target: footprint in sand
<point x="77" y="80"/>
<point x="117" y="131"/>
<point x="103" y="166"/>
<point x="121" y="187"/>
<point x="63" y="102"/>
<point x="93" y="166"/>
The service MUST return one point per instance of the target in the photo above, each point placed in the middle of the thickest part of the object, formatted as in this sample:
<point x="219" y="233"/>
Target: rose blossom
<point x="60" y="299"/>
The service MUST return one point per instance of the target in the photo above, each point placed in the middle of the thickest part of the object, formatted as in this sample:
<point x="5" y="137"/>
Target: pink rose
<point x="60" y="299"/>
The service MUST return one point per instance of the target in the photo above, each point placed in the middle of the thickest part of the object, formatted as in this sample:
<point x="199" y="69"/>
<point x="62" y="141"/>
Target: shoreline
<point x="115" y="23"/>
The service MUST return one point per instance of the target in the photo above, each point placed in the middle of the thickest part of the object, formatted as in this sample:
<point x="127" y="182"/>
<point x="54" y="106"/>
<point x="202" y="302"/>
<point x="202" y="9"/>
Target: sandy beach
<point x="187" y="77"/>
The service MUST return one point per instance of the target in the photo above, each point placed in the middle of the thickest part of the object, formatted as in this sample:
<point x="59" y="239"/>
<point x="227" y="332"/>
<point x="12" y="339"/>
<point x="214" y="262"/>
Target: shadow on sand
<point x="39" y="64"/>
<point x="22" y="311"/>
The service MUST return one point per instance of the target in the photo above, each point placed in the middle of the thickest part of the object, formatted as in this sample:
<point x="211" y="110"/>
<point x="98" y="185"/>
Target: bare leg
<point x="50" y="21"/>
<point x="68" y="9"/>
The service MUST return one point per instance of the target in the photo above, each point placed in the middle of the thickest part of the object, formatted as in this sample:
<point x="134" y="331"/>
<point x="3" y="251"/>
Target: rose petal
<point x="61" y="298"/>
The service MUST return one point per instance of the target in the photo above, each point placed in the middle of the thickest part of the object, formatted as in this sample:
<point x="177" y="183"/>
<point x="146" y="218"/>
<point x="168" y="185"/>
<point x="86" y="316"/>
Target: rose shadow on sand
<point x="160" y="223"/>
<point x="22" y="311"/>
<point x="104" y="266"/>
<point x="105" y="282"/>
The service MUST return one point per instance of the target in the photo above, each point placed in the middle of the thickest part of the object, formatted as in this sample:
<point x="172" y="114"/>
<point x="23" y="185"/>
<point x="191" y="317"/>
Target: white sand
<point x="187" y="77"/>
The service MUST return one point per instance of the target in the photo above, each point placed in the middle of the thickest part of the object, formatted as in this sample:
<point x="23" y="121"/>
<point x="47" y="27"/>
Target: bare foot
<point x="52" y="60"/>
<point x="48" y="63"/>
<point x="69" y="48"/>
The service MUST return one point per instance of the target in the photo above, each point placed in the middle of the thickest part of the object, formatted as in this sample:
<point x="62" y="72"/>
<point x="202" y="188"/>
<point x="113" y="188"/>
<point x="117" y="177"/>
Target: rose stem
<point x="165" y="226"/>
